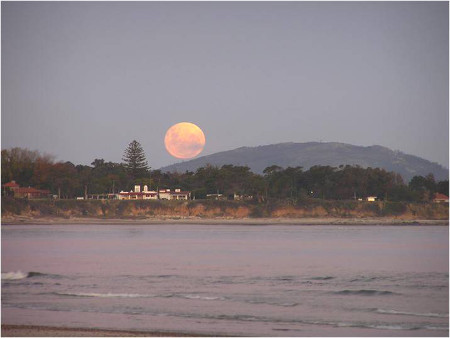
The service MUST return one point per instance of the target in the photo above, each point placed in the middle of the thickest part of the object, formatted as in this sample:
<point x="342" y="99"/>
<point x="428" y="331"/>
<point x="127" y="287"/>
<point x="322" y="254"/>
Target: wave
<point x="135" y="295"/>
<point x="404" y="327"/>
<point x="379" y="326"/>
<point x="249" y="318"/>
<point x="14" y="275"/>
<point x="365" y="279"/>
<point x="104" y="295"/>
<point x="364" y="292"/>
<point x="36" y="274"/>
<point x="200" y="297"/>
<point x="322" y="278"/>
<point x="272" y="279"/>
<point x="271" y="303"/>
<point x="395" y="312"/>
<point x="363" y="325"/>
<point x="33" y="274"/>
<point x="190" y="296"/>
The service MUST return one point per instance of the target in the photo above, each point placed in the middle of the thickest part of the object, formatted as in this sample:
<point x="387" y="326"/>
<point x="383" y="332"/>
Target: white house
<point x="180" y="195"/>
<point x="167" y="194"/>
<point x="145" y="194"/>
<point x="137" y="194"/>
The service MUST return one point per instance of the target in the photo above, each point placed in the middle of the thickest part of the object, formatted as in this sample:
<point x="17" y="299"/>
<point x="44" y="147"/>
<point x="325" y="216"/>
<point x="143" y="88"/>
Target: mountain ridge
<point x="308" y="154"/>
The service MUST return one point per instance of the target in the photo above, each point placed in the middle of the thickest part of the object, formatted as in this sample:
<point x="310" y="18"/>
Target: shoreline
<point x="222" y="221"/>
<point x="9" y="330"/>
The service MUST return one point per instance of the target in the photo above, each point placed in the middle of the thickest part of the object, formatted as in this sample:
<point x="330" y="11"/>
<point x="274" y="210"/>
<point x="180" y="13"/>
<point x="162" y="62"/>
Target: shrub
<point x="372" y="207"/>
<point x="122" y="208"/>
<point x="257" y="211"/>
<point x="14" y="206"/>
<point x="394" y="208"/>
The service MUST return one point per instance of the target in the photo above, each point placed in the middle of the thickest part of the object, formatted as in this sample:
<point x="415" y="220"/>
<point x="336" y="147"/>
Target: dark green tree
<point x="134" y="161"/>
<point x="424" y="187"/>
<point x="442" y="187"/>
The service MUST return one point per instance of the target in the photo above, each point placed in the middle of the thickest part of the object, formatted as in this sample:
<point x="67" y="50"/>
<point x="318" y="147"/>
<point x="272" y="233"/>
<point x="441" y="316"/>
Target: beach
<point x="222" y="220"/>
<point x="50" y="331"/>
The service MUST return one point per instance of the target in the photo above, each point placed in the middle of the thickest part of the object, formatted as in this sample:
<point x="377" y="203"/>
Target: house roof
<point x="439" y="196"/>
<point x="32" y="191"/>
<point x="11" y="184"/>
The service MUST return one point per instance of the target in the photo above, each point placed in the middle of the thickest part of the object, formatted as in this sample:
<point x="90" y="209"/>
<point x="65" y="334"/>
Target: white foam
<point x="430" y="327"/>
<point x="428" y="314"/>
<point x="14" y="275"/>
<point x="201" y="297"/>
<point x="388" y="327"/>
<point x="371" y="326"/>
<point x="104" y="295"/>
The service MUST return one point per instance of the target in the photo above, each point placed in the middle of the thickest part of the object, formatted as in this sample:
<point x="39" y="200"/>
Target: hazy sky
<point x="81" y="80"/>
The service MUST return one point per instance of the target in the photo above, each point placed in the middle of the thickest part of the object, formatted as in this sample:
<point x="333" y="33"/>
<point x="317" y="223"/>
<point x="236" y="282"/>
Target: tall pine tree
<point x="134" y="161"/>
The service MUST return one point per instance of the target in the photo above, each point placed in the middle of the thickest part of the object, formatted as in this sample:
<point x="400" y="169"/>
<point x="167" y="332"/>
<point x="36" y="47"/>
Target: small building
<point x="238" y="197"/>
<point x="440" y="198"/>
<point x="100" y="197"/>
<point x="180" y="195"/>
<point x="164" y="194"/>
<point x="145" y="194"/>
<point x="9" y="188"/>
<point x="13" y="189"/>
<point x="215" y="197"/>
<point x="132" y="195"/>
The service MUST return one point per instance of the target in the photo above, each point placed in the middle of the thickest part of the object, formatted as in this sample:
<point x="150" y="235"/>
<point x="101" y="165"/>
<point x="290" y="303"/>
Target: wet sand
<point x="231" y="221"/>
<point x="49" y="331"/>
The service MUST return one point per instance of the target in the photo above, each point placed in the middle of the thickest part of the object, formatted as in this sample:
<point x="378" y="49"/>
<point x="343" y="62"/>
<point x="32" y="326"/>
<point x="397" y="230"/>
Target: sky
<point x="81" y="80"/>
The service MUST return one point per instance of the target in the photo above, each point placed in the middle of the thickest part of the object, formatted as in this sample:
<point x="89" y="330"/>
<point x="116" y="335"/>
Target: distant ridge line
<point x="308" y="154"/>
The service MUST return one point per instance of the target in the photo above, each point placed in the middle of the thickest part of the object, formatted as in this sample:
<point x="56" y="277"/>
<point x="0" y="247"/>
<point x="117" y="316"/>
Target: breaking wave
<point x="190" y="296"/>
<point x="36" y="274"/>
<point x="271" y="303"/>
<point x="379" y="326"/>
<point x="199" y="297"/>
<point x="103" y="295"/>
<point x="364" y="292"/>
<point x="322" y="278"/>
<point x="135" y="295"/>
<point x="14" y="275"/>
<point x="365" y="279"/>
<point x="406" y="313"/>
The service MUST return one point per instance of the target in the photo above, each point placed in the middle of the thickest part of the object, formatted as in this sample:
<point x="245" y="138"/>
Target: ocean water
<point x="273" y="280"/>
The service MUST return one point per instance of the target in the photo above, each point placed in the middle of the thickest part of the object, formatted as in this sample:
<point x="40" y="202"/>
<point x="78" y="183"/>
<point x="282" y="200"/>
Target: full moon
<point x="184" y="140"/>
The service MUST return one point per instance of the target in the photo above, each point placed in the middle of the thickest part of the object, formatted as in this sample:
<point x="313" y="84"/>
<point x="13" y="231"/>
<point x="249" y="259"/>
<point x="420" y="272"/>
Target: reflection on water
<point x="245" y="280"/>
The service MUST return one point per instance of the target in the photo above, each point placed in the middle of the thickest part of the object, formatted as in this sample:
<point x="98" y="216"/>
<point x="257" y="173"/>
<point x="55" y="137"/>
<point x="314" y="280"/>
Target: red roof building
<point x="440" y="198"/>
<point x="13" y="189"/>
<point x="11" y="185"/>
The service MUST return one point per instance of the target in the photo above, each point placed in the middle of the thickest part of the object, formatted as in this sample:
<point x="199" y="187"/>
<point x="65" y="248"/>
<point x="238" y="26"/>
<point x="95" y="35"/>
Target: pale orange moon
<point x="184" y="140"/>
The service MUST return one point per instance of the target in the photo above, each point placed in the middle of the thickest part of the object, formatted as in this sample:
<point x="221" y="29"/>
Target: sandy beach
<point x="49" y="331"/>
<point x="219" y="220"/>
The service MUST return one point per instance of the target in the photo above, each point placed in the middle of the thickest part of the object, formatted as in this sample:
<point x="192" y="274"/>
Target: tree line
<point x="30" y="168"/>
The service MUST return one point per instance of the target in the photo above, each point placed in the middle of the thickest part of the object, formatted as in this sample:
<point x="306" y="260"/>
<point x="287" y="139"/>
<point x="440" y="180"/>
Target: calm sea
<point x="274" y="280"/>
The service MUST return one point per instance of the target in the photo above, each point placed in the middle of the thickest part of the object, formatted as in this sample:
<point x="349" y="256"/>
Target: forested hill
<point x="309" y="154"/>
